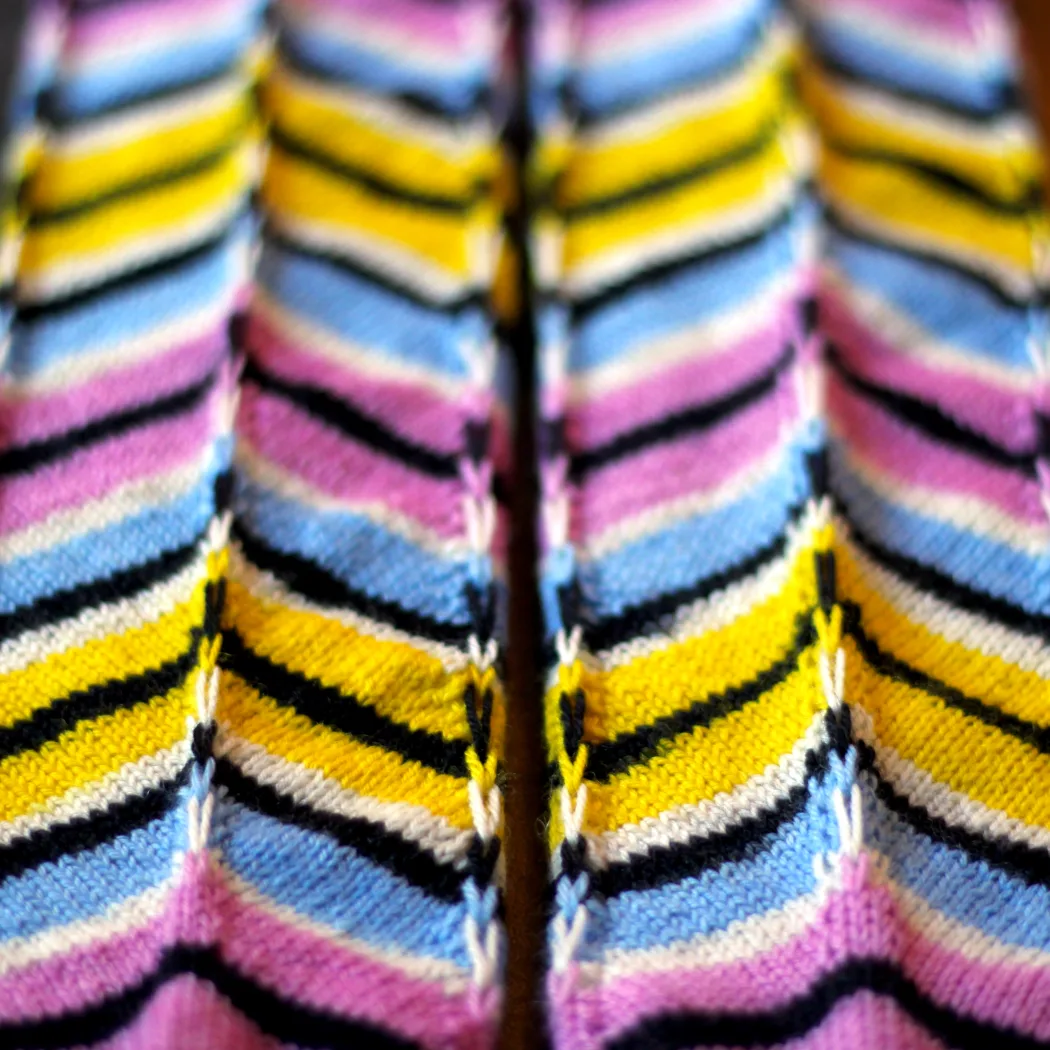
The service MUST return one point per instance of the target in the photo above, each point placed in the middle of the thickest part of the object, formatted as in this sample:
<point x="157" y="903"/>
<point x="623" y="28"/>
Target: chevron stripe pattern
<point x="795" y="525"/>
<point x="250" y="569"/>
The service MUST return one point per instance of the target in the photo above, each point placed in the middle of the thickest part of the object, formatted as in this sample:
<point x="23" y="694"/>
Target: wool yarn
<point x="250" y="721"/>
<point x="795" y="525"/>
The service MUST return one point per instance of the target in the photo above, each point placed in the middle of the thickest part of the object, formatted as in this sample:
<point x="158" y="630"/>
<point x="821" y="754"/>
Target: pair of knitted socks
<point x="785" y="267"/>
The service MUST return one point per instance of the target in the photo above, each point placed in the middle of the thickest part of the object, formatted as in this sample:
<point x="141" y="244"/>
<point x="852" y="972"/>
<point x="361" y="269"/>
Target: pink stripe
<point x="92" y="473"/>
<point x="863" y="922"/>
<point x="947" y="16"/>
<point x="903" y="453"/>
<point x="333" y="979"/>
<point x="614" y="20"/>
<point x="189" y="1014"/>
<point x="670" y="471"/>
<point x="435" y="24"/>
<point x="339" y="467"/>
<point x="1006" y="417"/>
<point x="113" y="24"/>
<point x="417" y="413"/>
<point x="35" y="418"/>
<point x="867" y="1022"/>
<point x="299" y="966"/>
<point x="598" y="420"/>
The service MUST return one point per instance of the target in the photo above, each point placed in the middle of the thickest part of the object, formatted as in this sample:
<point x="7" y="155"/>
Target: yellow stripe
<point x="671" y="679"/>
<point x="302" y="191"/>
<point x="117" y="656"/>
<point x="699" y="765"/>
<point x="63" y="179"/>
<point x="366" y="770"/>
<point x="706" y="198"/>
<point x="983" y="675"/>
<point x="604" y="169"/>
<point x="394" y="155"/>
<point x="91" y="750"/>
<point x="966" y="755"/>
<point x="897" y="199"/>
<point x="1006" y="170"/>
<point x="161" y="210"/>
<point x="399" y="681"/>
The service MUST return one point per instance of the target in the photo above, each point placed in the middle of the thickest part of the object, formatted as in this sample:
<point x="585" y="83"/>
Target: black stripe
<point x="754" y="146"/>
<point x="310" y="580"/>
<point x="65" y="713"/>
<point x="844" y="225"/>
<point x="352" y="423"/>
<point x="693" y="420"/>
<point x="666" y="270"/>
<point x="656" y="615"/>
<point x="799" y="1016"/>
<point x="156" y="180"/>
<point x="367" y="838"/>
<point x="23" y="458"/>
<point x="47" y="845"/>
<point x="283" y="1019"/>
<point x="287" y="143"/>
<point x="329" y="706"/>
<point x="611" y="757"/>
<point x="925" y="578"/>
<point x="744" y="840"/>
<point x="952" y="182"/>
<point x="930" y="420"/>
<point x="469" y="298"/>
<point x="123" y="584"/>
<point x="1030" y="864"/>
<point x="890" y="666"/>
<point x="126" y="280"/>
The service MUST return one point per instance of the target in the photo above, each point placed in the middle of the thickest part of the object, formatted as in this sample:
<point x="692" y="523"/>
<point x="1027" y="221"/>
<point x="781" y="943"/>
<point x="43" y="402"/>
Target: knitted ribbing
<point x="795" y="526"/>
<point x="250" y="725"/>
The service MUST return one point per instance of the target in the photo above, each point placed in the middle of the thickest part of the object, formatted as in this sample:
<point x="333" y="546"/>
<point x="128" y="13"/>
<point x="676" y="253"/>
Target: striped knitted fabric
<point x="795" y="526"/>
<point x="249" y="576"/>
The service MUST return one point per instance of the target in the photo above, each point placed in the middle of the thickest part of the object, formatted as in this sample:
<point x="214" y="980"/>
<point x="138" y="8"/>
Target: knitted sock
<point x="794" y="529"/>
<point x="249" y="720"/>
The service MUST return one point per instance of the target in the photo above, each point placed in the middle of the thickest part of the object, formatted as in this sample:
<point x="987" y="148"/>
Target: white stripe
<point x="961" y="626"/>
<point x="309" y="786"/>
<point x="711" y="816"/>
<point x="101" y="621"/>
<point x="133" y="778"/>
<point x="967" y="512"/>
<point x="267" y="588"/>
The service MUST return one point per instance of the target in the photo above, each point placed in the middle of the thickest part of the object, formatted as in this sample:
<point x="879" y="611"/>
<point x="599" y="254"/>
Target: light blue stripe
<point x="704" y="905"/>
<point x="976" y="89"/>
<point x="696" y="294"/>
<point x="369" y="315"/>
<point x="332" y="884"/>
<point x="361" y="553"/>
<point x="633" y="78"/>
<point x="456" y="90"/>
<point x="954" y="309"/>
<point x="694" y="549"/>
<point x="972" y="560"/>
<point x="125" y="312"/>
<point x="99" y="554"/>
<point x="81" y="885"/>
<point x="147" y="73"/>
<point x="970" y="891"/>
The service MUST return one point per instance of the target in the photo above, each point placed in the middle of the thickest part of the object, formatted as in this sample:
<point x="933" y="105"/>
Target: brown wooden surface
<point x="523" y="1024"/>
